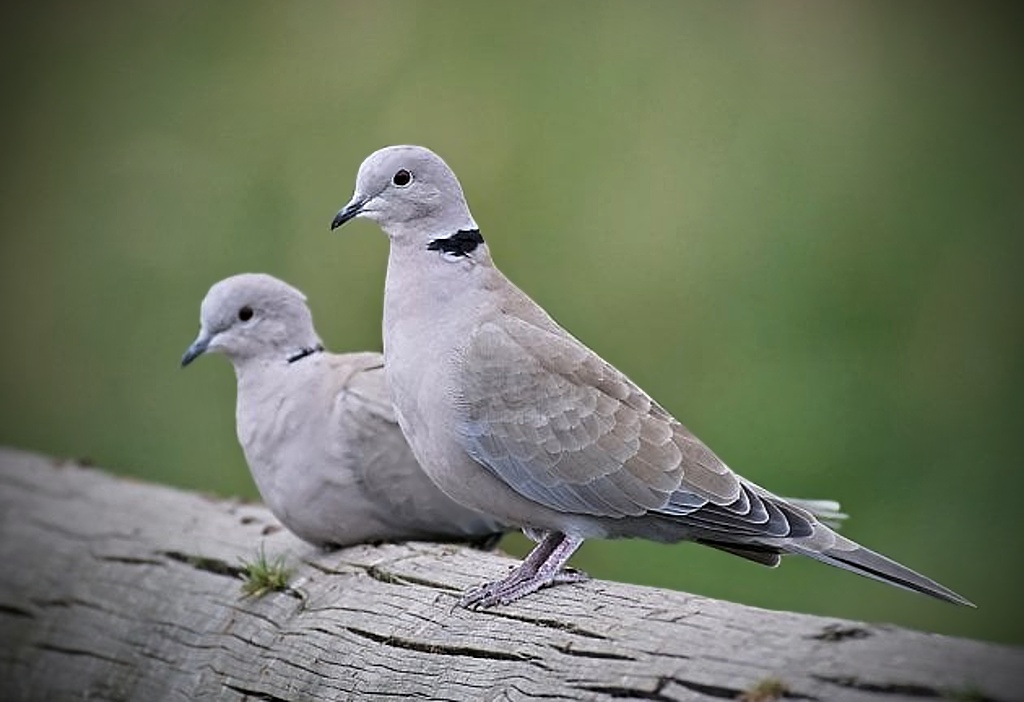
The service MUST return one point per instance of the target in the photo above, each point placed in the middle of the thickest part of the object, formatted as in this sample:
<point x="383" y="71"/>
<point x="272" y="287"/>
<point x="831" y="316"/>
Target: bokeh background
<point x="799" y="225"/>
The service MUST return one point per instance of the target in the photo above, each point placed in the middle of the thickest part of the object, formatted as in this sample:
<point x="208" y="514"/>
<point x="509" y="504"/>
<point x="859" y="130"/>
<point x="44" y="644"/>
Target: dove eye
<point x="245" y="314"/>
<point x="402" y="178"/>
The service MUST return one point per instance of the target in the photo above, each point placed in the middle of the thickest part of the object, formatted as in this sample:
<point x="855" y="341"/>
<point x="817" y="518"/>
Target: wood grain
<point x="113" y="589"/>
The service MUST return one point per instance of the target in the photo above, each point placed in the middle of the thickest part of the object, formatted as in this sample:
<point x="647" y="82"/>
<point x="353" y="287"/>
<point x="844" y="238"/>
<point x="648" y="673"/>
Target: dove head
<point x="411" y="193"/>
<point x="254" y="316"/>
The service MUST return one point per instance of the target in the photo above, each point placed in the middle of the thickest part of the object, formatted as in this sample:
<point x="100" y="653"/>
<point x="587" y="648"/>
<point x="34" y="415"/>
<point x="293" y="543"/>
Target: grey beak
<point x="349" y="211"/>
<point x="196" y="350"/>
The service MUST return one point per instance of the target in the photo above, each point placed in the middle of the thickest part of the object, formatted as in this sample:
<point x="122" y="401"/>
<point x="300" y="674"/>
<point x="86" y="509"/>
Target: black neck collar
<point x="460" y="244"/>
<point x="304" y="352"/>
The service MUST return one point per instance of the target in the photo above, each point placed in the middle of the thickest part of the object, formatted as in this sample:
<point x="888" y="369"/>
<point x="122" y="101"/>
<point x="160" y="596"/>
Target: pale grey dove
<point x="318" y="429"/>
<point x="510" y="415"/>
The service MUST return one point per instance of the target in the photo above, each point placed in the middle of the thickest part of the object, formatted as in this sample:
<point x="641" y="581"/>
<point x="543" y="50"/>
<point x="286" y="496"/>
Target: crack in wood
<point x="68" y="651"/>
<point x="14" y="611"/>
<point x="326" y="570"/>
<point x="70" y="602"/>
<point x="548" y="624"/>
<point x="903" y="689"/>
<point x="206" y="564"/>
<point x="839" y="632"/>
<point x="385" y="576"/>
<point x="569" y="650"/>
<point x="255" y="694"/>
<point x="129" y="560"/>
<point x="380" y="573"/>
<point x="632" y="693"/>
<point x="716" y="691"/>
<point x="720" y="692"/>
<point x="440" y="648"/>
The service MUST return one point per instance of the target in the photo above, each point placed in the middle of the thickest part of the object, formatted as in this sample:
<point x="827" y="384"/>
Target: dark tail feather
<point x="765" y="556"/>
<point x="866" y="562"/>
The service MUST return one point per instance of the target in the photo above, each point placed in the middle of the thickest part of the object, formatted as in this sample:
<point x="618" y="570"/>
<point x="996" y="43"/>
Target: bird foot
<point x="516" y="585"/>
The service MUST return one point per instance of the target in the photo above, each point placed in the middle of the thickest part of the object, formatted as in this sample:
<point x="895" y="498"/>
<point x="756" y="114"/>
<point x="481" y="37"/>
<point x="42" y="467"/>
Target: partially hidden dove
<point x="317" y="428"/>
<point x="512" y="416"/>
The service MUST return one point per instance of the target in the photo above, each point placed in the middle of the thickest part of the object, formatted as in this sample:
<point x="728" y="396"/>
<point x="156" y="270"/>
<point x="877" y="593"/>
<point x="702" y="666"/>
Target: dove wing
<point x="566" y="429"/>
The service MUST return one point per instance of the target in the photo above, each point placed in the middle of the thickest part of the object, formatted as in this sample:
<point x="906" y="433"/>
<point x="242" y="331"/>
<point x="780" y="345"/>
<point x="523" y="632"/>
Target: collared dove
<point x="512" y="416"/>
<point x="318" y="429"/>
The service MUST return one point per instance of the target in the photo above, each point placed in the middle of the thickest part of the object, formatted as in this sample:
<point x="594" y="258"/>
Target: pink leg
<point x="541" y="568"/>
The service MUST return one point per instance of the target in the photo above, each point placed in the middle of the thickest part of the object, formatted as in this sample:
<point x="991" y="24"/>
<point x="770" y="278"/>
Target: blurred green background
<point x="799" y="225"/>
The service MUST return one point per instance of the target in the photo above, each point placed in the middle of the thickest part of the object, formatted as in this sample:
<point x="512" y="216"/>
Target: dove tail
<point x="863" y="561"/>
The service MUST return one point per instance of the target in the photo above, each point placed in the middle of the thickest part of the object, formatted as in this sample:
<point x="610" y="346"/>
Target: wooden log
<point x="114" y="589"/>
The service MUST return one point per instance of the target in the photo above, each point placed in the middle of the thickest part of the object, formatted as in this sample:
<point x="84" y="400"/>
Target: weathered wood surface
<point x="113" y="589"/>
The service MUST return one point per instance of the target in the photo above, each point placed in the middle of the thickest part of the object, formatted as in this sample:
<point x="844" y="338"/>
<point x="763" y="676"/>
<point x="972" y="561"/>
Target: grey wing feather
<point x="366" y="434"/>
<point x="565" y="429"/>
<point x="362" y="385"/>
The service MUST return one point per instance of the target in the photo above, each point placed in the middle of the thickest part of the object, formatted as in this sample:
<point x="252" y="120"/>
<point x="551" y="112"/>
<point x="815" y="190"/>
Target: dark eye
<point x="245" y="314"/>
<point x="402" y="178"/>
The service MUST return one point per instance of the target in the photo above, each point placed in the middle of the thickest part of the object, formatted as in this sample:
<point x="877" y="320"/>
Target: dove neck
<point x="426" y="291"/>
<point x="269" y="386"/>
<point x="433" y="270"/>
<point x="277" y="359"/>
